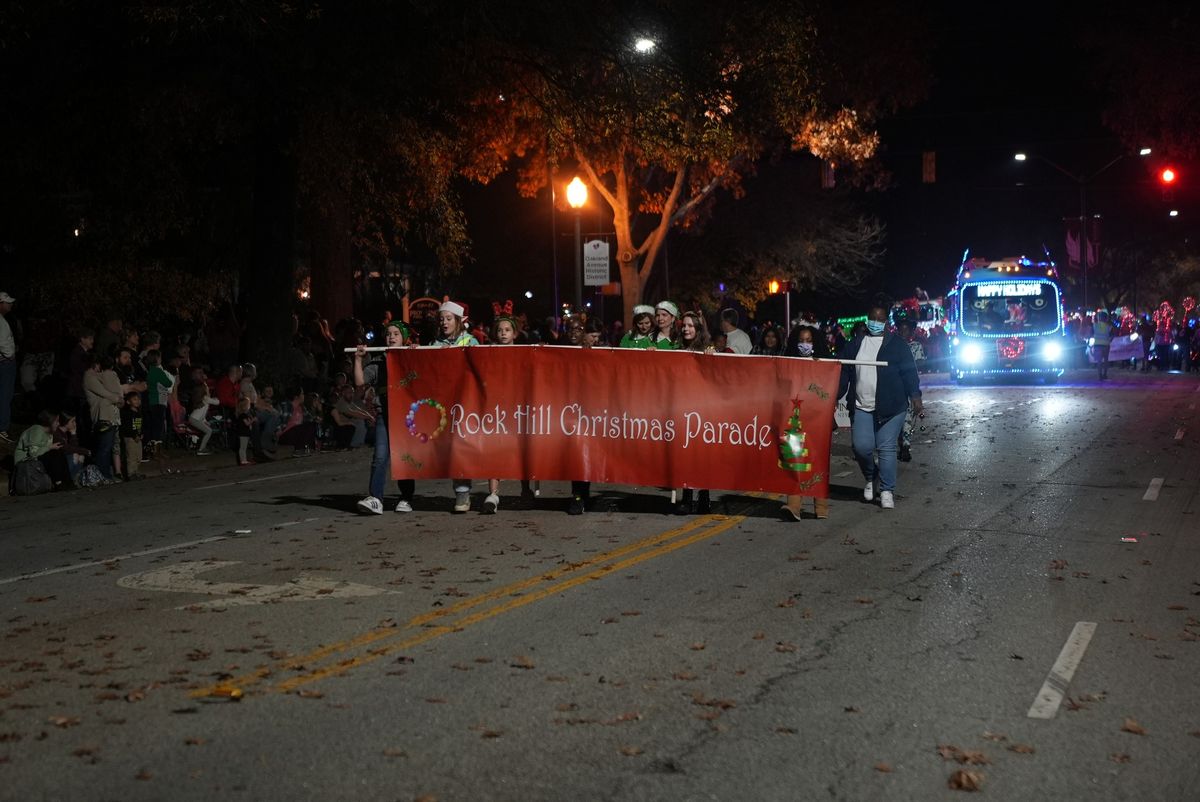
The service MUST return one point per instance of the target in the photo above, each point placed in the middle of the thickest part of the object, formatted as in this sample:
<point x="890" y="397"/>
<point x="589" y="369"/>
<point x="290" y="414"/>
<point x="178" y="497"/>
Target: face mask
<point x="804" y="349"/>
<point x="875" y="327"/>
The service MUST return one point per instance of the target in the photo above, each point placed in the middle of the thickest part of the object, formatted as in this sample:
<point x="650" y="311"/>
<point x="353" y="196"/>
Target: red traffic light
<point x="1168" y="175"/>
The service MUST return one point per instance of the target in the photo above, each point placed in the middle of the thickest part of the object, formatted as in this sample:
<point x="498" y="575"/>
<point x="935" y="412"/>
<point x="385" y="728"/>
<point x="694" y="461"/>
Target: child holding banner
<point x="806" y="347"/>
<point x="453" y="333"/>
<point x="693" y="336"/>
<point x="375" y="374"/>
<point x="504" y="332"/>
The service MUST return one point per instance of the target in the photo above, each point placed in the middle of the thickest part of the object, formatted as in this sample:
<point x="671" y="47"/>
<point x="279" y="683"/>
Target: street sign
<point x="595" y="263"/>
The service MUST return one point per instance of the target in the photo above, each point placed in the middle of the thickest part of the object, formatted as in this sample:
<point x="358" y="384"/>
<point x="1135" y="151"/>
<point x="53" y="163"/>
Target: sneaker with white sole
<point x="403" y="506"/>
<point x="491" y="503"/>
<point x="869" y="492"/>
<point x="887" y="500"/>
<point x="462" y="501"/>
<point x="371" y="506"/>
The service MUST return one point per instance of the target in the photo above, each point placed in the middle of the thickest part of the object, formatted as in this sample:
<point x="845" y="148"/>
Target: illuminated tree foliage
<point x="659" y="132"/>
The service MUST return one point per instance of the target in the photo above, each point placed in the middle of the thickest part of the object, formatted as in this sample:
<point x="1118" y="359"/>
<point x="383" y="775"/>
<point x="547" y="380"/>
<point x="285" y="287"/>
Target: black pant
<point x="55" y="462"/>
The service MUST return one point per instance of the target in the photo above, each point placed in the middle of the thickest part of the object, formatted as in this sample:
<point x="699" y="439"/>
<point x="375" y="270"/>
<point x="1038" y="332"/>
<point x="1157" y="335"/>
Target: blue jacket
<point x="896" y="383"/>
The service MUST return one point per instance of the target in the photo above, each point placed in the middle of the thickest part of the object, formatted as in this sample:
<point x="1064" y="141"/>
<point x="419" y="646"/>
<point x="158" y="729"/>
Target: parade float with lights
<point x="1005" y="318"/>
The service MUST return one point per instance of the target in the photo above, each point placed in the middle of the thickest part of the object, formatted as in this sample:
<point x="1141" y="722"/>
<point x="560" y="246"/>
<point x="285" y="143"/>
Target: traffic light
<point x="1167" y="177"/>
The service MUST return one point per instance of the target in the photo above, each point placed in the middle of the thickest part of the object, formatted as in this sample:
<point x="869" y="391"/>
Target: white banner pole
<point x="376" y="349"/>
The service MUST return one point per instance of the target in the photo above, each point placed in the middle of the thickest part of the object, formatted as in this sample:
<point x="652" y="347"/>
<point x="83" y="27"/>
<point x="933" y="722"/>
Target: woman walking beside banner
<point x="878" y="398"/>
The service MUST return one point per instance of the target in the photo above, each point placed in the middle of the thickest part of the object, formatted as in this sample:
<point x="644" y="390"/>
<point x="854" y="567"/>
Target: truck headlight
<point x="972" y="354"/>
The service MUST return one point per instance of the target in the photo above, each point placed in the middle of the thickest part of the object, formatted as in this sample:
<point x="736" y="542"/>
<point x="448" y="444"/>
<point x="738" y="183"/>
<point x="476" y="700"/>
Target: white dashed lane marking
<point x="1059" y="679"/>
<point x="259" y="479"/>
<point x="1153" y="490"/>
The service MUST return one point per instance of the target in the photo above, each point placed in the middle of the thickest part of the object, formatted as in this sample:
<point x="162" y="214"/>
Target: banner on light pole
<point x="595" y="263"/>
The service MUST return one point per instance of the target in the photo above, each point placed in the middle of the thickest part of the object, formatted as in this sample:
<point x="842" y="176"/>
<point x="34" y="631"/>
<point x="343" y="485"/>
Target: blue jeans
<point x="8" y="381"/>
<point x="869" y="435"/>
<point x="381" y="463"/>
<point x="103" y="455"/>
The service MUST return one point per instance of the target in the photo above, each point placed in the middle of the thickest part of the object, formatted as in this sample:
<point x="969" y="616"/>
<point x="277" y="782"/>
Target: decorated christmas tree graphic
<point x="792" y="453"/>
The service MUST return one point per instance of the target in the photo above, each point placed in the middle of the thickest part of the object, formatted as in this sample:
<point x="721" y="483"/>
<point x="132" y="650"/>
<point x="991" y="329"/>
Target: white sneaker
<point x="462" y="501"/>
<point x="869" y="492"/>
<point x="403" y="506"/>
<point x="887" y="500"/>
<point x="491" y="503"/>
<point x="371" y="506"/>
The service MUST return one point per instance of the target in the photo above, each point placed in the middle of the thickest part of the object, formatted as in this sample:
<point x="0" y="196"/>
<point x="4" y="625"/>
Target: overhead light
<point x="1173" y="213"/>
<point x="644" y="45"/>
<point x="1019" y="157"/>
<point x="1144" y="152"/>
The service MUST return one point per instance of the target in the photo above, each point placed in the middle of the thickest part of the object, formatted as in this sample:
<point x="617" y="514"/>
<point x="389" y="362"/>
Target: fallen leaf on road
<point x="436" y="700"/>
<point x="524" y="662"/>
<point x="37" y="599"/>
<point x="1176" y="607"/>
<point x="310" y="694"/>
<point x="1058" y="565"/>
<point x="790" y="601"/>
<point x="785" y="730"/>
<point x="491" y="733"/>
<point x="63" y="721"/>
<point x="697" y="647"/>
<point x="1119" y="757"/>
<point x="194" y="741"/>
<point x="1130" y="725"/>
<point x="631" y="751"/>
<point x="699" y="698"/>
<point x="632" y="715"/>
<point x="758" y="635"/>
<point x="1021" y="749"/>
<point x="392" y="752"/>
<point x="965" y="780"/>
<point x="883" y="768"/>
<point x="684" y="675"/>
<point x="851" y="710"/>
<point x="785" y="648"/>
<point x="566" y="707"/>
<point x="143" y="775"/>
<point x="971" y="757"/>
<point x="864" y="600"/>
<point x="994" y="736"/>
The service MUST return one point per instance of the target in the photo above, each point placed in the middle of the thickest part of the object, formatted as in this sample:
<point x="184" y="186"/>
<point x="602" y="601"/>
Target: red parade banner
<point x="622" y="416"/>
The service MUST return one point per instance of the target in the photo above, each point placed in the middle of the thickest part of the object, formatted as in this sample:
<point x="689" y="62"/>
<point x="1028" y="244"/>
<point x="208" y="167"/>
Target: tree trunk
<point x="267" y="280"/>
<point x="330" y="258"/>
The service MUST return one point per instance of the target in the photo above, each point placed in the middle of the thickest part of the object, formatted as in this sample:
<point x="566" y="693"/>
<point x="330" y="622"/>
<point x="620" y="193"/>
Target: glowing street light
<point x="577" y="193"/>
<point x="644" y="45"/>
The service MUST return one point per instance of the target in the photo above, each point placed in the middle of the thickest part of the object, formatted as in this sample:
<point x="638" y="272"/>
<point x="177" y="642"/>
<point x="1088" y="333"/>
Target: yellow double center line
<point x="385" y="641"/>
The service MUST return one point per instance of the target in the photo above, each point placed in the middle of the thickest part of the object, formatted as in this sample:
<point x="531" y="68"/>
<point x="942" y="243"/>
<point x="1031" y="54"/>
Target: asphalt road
<point x="1027" y="619"/>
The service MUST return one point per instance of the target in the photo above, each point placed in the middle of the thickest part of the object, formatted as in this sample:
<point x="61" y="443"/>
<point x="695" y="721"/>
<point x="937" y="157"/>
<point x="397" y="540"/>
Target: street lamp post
<point x="577" y="193"/>
<point x="1082" y="179"/>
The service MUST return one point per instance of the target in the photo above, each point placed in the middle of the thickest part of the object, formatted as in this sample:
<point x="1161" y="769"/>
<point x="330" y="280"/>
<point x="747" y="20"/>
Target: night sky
<point x="1004" y="80"/>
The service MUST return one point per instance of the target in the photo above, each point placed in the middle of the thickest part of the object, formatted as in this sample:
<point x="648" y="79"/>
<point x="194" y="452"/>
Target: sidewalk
<point x="173" y="461"/>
